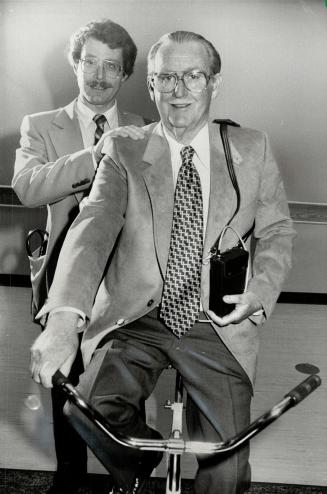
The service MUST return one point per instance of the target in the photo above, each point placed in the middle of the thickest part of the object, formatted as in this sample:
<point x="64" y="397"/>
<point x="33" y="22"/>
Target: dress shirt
<point x="87" y="125"/>
<point x="85" y="118"/>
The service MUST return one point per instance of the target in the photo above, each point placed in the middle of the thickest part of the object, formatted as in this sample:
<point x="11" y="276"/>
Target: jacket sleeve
<point x="274" y="235"/>
<point x="38" y="181"/>
<point x="89" y="242"/>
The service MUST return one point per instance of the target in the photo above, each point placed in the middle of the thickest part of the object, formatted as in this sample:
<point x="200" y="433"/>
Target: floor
<point x="35" y="482"/>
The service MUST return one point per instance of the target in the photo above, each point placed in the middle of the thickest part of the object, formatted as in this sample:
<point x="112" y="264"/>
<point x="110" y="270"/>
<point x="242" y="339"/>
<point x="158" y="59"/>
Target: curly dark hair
<point x="108" y="32"/>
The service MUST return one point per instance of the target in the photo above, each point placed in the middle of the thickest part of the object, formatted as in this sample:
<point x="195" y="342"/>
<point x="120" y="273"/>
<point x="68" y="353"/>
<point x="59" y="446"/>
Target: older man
<point x="156" y="208"/>
<point x="55" y="166"/>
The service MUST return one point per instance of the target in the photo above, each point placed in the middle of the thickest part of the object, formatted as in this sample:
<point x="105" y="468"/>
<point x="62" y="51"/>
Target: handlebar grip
<point x="58" y="379"/>
<point x="304" y="389"/>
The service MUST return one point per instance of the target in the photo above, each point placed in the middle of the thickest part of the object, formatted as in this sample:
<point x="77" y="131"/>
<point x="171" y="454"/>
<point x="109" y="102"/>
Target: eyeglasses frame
<point x="121" y="72"/>
<point x="180" y="78"/>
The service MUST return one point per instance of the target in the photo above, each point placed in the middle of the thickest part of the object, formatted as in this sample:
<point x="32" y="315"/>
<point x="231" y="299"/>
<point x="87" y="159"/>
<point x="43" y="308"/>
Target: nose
<point x="100" y="71"/>
<point x="179" y="88"/>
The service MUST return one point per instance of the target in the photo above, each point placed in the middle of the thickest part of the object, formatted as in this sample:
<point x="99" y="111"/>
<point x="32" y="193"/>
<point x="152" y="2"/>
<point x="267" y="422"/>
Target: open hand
<point x="246" y="305"/>
<point x="131" y="131"/>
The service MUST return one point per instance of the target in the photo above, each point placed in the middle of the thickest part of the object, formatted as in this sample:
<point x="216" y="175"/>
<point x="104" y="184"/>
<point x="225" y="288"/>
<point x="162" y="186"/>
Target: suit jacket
<point x="52" y="168"/>
<point x="119" y="243"/>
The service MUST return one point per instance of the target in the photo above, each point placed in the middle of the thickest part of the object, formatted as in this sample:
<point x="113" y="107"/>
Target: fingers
<point x="236" y="316"/>
<point x="233" y="299"/>
<point x="131" y="131"/>
<point x="104" y="146"/>
<point x="246" y="304"/>
<point x="45" y="374"/>
<point x="35" y="364"/>
<point x="41" y="369"/>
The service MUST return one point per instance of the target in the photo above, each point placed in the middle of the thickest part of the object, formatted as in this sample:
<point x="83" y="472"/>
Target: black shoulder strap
<point x="226" y="121"/>
<point x="229" y="160"/>
<point x="147" y="121"/>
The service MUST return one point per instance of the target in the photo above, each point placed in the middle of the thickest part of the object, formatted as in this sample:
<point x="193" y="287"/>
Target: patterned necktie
<point x="100" y="120"/>
<point x="180" y="304"/>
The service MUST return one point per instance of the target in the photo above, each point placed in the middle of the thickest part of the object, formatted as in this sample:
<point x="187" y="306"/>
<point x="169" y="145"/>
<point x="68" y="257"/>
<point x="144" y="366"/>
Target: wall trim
<point x="8" y="197"/>
<point x="19" y="280"/>
<point x="301" y="212"/>
<point x="310" y="298"/>
<point x="308" y="212"/>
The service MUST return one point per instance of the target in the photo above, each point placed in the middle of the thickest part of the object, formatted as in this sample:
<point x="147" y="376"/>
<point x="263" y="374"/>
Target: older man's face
<point x="183" y="112"/>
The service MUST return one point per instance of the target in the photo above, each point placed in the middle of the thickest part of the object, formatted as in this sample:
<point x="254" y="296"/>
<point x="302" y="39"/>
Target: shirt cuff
<point x="82" y="319"/>
<point x="258" y="313"/>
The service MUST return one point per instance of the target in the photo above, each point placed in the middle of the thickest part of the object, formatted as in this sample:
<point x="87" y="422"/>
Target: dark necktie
<point x="100" y="120"/>
<point x="180" y="304"/>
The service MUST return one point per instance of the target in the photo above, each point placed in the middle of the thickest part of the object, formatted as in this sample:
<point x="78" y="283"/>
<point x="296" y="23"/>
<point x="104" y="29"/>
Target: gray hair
<point x="183" y="37"/>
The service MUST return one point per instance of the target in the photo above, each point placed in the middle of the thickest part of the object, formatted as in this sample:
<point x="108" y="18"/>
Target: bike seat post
<point x="173" y="485"/>
<point x="178" y="388"/>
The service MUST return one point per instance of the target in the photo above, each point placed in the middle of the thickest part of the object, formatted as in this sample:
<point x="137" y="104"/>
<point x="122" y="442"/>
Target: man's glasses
<point x="194" y="81"/>
<point x="90" y="65"/>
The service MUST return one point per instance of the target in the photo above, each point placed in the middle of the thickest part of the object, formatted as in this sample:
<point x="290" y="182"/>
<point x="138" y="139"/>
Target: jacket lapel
<point x="159" y="183"/>
<point x="222" y="202"/>
<point x="65" y="132"/>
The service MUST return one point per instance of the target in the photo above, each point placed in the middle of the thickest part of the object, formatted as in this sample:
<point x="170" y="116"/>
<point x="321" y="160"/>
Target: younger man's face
<point x="98" y="89"/>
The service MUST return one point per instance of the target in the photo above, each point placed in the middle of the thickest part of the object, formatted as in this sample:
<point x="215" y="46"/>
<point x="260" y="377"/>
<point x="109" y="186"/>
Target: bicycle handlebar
<point x="304" y="388"/>
<point x="179" y="446"/>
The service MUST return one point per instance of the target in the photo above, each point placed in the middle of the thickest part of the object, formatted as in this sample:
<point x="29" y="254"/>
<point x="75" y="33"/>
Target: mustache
<point x="100" y="84"/>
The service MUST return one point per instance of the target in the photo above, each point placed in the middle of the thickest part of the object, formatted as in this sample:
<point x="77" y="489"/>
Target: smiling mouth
<point x="180" y="105"/>
<point x="99" y="88"/>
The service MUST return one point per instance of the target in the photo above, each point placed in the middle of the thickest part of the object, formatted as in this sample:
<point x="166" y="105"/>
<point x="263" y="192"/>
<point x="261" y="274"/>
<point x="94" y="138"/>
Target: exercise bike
<point x="175" y="446"/>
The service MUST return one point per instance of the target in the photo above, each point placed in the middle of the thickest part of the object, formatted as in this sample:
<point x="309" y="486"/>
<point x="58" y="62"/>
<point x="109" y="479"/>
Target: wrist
<point x="71" y="321"/>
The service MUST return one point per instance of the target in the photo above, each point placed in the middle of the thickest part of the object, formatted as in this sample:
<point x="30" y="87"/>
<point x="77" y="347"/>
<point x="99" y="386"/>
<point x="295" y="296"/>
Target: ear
<point x="124" y="78"/>
<point x="150" y="88"/>
<point x="75" y="68"/>
<point x="216" y="82"/>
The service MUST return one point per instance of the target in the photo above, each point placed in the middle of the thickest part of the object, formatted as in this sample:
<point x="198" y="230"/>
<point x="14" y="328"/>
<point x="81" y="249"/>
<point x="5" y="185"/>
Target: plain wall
<point x="274" y="69"/>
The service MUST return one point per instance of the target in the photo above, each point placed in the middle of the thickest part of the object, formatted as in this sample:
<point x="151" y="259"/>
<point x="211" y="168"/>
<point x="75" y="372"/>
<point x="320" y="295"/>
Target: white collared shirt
<point x="201" y="160"/>
<point x="87" y="125"/>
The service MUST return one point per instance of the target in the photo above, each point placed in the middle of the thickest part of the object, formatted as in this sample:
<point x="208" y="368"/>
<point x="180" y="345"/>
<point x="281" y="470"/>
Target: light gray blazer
<point x="52" y="168"/>
<point x="128" y="218"/>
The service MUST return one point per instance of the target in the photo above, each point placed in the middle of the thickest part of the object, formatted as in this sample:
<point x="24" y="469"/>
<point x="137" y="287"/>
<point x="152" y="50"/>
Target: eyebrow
<point x="87" y="55"/>
<point x="191" y="69"/>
